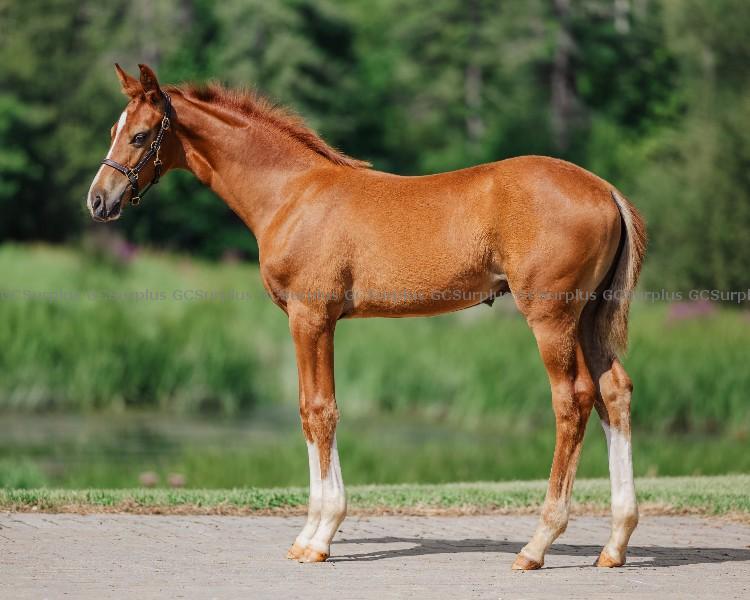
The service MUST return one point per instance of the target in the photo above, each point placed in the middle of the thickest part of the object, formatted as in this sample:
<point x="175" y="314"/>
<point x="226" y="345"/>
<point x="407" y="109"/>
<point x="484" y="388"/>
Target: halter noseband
<point x="153" y="151"/>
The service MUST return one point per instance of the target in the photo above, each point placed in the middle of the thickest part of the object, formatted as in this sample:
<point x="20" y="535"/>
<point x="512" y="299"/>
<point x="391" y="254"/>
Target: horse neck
<point x="245" y="163"/>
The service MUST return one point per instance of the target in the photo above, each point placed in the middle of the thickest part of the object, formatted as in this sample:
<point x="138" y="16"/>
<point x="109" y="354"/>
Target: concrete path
<point x="129" y="556"/>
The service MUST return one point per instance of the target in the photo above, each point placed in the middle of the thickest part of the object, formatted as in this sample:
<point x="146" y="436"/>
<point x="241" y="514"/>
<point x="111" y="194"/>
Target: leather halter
<point x="153" y="151"/>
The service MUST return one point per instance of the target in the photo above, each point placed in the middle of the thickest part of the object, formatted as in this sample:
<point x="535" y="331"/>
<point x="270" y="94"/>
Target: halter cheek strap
<point x="153" y="151"/>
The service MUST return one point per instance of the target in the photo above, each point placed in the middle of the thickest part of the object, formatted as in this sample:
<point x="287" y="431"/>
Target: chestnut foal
<point x="339" y="240"/>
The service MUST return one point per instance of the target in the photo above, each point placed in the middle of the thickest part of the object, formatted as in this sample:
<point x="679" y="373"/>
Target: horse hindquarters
<point x="578" y="342"/>
<point x="604" y="327"/>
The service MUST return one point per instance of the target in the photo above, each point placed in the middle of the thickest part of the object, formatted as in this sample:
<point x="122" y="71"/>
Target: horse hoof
<point x="313" y="556"/>
<point x="295" y="552"/>
<point x="606" y="561"/>
<point x="523" y="563"/>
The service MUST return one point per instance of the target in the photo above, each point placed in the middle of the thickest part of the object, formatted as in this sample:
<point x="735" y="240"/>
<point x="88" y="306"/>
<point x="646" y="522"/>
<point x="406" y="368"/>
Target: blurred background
<point x="116" y="372"/>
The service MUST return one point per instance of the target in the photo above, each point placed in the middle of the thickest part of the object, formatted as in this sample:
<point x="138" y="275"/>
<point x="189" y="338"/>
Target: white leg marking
<point x="624" y="507"/>
<point x="315" y="503"/>
<point x="620" y="470"/>
<point x="120" y="127"/>
<point x="334" y="504"/>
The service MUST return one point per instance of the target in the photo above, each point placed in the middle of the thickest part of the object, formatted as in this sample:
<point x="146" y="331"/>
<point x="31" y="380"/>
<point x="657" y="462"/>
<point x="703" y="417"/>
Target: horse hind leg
<point x="572" y="398"/>
<point x="613" y="399"/>
<point x="616" y="390"/>
<point x="614" y="411"/>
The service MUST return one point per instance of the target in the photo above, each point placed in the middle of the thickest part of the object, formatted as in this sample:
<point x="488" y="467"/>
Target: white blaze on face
<point x="120" y="127"/>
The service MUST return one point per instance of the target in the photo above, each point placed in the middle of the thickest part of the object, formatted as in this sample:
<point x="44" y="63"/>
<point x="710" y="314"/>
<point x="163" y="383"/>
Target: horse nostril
<point x="97" y="203"/>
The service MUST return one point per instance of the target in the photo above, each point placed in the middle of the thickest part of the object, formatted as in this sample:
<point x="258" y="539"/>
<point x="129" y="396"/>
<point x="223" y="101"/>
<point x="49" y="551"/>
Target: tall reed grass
<point x="107" y="347"/>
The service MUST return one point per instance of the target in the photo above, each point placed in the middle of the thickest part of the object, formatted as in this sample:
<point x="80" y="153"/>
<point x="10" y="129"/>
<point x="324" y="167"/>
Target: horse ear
<point x="149" y="82"/>
<point x="130" y="85"/>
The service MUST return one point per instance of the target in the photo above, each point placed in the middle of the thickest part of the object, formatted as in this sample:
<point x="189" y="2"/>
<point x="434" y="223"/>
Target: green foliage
<point x="20" y="474"/>
<point x="147" y="340"/>
<point x="189" y="362"/>
<point x="696" y="175"/>
<point x="109" y="347"/>
<point x="657" y="102"/>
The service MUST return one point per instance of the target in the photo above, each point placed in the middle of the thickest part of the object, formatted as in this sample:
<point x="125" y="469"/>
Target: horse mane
<point x="251" y="104"/>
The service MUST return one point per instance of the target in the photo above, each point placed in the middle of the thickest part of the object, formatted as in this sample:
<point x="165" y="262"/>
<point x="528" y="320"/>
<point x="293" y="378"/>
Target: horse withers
<point x="337" y="238"/>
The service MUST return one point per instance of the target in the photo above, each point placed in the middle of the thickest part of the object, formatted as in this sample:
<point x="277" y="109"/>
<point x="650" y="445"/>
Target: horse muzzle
<point x="102" y="208"/>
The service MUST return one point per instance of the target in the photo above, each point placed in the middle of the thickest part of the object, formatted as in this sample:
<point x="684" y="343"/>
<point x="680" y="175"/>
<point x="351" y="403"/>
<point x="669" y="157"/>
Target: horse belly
<point x="411" y="298"/>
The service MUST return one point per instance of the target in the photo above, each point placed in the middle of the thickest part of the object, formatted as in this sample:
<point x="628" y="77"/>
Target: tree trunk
<point x="621" y="11"/>
<point x="473" y="78"/>
<point x="563" y="92"/>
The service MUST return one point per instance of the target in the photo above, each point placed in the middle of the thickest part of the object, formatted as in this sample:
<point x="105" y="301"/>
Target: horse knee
<point x="321" y="413"/>
<point x="320" y="418"/>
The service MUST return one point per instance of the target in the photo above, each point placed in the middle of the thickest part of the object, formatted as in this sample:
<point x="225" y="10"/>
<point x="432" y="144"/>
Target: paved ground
<point x="128" y="556"/>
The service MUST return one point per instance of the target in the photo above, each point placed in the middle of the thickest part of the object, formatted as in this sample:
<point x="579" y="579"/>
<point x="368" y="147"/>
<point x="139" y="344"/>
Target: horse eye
<point x="138" y="139"/>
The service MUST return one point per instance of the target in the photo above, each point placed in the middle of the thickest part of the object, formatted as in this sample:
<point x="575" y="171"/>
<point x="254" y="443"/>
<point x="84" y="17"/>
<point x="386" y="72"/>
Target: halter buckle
<point x="165" y="123"/>
<point x="135" y="200"/>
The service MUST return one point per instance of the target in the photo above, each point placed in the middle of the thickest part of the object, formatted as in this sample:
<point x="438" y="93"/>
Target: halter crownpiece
<point x="153" y="151"/>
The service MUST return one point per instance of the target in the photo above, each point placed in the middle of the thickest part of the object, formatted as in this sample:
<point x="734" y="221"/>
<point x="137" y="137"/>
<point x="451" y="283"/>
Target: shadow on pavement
<point x="661" y="556"/>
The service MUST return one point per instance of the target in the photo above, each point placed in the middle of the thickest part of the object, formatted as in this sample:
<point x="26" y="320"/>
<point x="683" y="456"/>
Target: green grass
<point x="707" y="495"/>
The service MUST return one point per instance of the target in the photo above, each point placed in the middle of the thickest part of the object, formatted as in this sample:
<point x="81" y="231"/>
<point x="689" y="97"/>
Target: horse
<point x="336" y="236"/>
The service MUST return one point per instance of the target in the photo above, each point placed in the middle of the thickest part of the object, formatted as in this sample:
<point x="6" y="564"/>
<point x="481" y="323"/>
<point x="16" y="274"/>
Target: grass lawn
<point x="721" y="495"/>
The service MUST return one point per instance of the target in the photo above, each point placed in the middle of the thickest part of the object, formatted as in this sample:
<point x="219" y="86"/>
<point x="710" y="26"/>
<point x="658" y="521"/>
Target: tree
<point x="697" y="182"/>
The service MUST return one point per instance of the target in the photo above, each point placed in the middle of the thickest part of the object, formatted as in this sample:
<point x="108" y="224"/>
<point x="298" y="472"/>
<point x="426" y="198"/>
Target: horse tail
<point x="611" y="316"/>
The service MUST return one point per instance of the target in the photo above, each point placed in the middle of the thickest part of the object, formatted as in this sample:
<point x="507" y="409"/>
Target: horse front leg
<point x="315" y="500"/>
<point x="312" y="331"/>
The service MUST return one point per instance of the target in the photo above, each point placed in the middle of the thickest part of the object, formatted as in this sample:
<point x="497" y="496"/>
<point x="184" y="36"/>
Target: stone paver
<point x="129" y="556"/>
